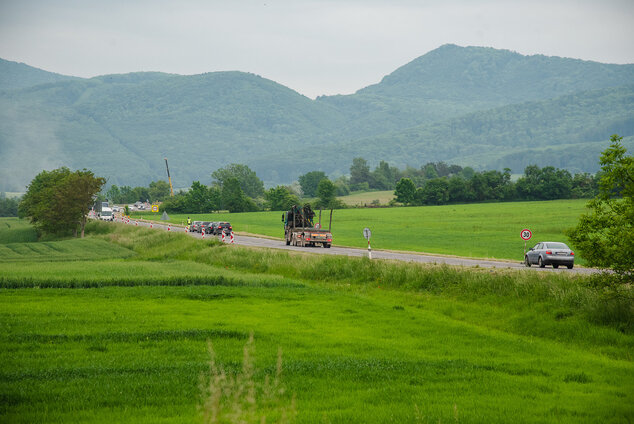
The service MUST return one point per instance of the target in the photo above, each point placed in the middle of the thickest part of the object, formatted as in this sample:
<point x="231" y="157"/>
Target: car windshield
<point x="556" y="246"/>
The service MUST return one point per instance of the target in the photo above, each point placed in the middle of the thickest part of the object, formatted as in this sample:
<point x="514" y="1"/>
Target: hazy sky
<point x="313" y="47"/>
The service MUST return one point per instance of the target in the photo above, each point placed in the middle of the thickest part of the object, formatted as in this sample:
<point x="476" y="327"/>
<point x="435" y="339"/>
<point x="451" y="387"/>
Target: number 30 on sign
<point x="526" y="234"/>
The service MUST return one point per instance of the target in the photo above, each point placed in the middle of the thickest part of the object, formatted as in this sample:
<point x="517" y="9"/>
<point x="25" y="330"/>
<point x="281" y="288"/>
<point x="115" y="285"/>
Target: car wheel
<point x="540" y="262"/>
<point x="555" y="266"/>
<point x="527" y="263"/>
<point x="569" y="266"/>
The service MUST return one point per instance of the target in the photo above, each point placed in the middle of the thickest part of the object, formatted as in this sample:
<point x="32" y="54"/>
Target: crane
<point x="169" y="178"/>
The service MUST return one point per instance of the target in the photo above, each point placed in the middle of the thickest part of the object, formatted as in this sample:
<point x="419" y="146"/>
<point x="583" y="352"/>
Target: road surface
<point x="268" y="243"/>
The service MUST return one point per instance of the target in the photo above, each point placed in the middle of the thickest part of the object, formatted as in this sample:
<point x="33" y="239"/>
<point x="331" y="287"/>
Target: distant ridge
<point x="14" y="76"/>
<point x="474" y="106"/>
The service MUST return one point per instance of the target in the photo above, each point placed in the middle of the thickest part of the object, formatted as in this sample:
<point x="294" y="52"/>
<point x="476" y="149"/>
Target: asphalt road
<point x="244" y="240"/>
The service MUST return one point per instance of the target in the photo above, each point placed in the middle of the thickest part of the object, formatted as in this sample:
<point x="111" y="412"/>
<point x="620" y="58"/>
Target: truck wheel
<point x="327" y="245"/>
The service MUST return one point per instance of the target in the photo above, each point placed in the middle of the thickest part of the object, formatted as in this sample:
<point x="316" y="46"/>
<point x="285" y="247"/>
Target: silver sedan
<point x="550" y="253"/>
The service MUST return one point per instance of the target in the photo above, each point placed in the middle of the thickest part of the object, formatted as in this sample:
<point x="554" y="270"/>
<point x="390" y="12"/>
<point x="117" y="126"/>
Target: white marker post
<point x="367" y="234"/>
<point x="526" y="235"/>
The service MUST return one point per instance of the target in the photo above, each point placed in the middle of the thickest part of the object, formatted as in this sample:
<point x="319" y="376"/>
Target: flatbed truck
<point x="299" y="229"/>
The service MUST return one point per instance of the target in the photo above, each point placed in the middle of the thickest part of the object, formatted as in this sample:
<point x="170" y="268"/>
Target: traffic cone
<point x="231" y="240"/>
<point x="151" y="226"/>
<point x="136" y="223"/>
<point x="169" y="227"/>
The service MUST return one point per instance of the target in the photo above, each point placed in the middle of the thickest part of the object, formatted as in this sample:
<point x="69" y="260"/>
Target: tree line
<point x="537" y="183"/>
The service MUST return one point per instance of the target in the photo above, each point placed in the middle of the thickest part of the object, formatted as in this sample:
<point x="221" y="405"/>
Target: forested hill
<point x="452" y="81"/>
<point x="14" y="75"/>
<point x="567" y="132"/>
<point x="454" y="104"/>
<point x="122" y="126"/>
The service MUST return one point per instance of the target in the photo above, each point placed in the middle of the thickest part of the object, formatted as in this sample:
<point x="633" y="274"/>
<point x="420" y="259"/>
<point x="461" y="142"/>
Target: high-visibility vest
<point x="189" y="222"/>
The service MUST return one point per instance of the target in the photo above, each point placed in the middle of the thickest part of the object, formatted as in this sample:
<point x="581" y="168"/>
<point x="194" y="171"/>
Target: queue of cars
<point x="211" y="228"/>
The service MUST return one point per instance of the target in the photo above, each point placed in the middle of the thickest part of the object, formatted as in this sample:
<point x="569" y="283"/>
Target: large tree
<point x="309" y="182"/>
<point x="326" y="191"/>
<point x="58" y="201"/>
<point x="249" y="182"/>
<point x="280" y="198"/>
<point x="359" y="172"/>
<point x="405" y="191"/>
<point x="604" y="235"/>
<point x="234" y="199"/>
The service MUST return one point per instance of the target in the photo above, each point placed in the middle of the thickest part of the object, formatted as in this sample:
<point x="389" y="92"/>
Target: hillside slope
<point x="14" y="76"/>
<point x="451" y="81"/>
<point x="122" y="126"/>
<point x="476" y="106"/>
<point x="567" y="132"/>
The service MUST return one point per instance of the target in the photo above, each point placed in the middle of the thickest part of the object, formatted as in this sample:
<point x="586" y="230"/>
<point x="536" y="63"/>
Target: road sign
<point x="155" y="208"/>
<point x="526" y="234"/>
<point x="367" y="233"/>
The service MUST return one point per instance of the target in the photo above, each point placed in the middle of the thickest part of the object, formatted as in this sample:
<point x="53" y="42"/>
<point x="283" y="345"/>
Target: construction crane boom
<point x="169" y="178"/>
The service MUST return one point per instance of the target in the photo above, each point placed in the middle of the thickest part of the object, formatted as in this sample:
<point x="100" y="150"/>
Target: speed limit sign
<point x="526" y="234"/>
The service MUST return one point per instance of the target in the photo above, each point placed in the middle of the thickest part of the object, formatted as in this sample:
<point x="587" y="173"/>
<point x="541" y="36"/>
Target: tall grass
<point x="15" y="230"/>
<point x="241" y="397"/>
<point x="567" y="294"/>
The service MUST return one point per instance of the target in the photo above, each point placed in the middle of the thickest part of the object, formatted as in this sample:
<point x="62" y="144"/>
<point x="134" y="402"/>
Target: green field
<point x="486" y="230"/>
<point x="124" y="339"/>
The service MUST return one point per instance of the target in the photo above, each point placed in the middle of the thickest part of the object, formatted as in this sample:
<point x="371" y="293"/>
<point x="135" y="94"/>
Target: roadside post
<point x="367" y="234"/>
<point x="526" y="235"/>
<point x="203" y="233"/>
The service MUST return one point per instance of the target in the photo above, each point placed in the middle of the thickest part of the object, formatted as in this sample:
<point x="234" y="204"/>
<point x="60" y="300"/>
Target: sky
<point x="314" y="47"/>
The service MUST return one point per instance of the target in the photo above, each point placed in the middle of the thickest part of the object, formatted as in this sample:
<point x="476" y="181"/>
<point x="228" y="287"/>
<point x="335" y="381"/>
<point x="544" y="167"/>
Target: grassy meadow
<point x="124" y="337"/>
<point x="485" y="230"/>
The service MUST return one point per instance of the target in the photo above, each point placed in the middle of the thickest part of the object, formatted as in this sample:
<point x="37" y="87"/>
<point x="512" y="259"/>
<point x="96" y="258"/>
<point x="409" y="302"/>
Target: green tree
<point x="309" y="182"/>
<point x="234" y="199"/>
<point x="326" y="191"/>
<point x="159" y="190"/>
<point x="434" y="192"/>
<point x="8" y="206"/>
<point x="114" y="194"/>
<point x="197" y="198"/>
<point x="249" y="182"/>
<point x="359" y="172"/>
<point x="58" y="201"/>
<point x="604" y="235"/>
<point x="384" y="177"/>
<point x="280" y="198"/>
<point x="405" y="191"/>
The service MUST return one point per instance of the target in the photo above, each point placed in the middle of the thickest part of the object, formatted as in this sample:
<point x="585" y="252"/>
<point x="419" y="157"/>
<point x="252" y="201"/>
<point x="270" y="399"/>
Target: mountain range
<point x="476" y="106"/>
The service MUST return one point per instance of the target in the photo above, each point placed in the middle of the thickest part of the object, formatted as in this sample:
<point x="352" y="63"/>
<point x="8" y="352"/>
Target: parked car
<point x="203" y="224"/>
<point x="194" y="227"/>
<point x="550" y="253"/>
<point x="223" y="226"/>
